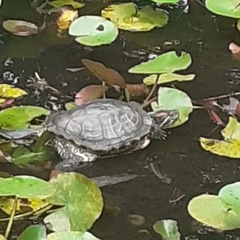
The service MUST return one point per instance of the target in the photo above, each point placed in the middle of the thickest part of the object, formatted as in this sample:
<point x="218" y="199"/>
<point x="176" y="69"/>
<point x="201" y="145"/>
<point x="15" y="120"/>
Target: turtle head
<point x="161" y="120"/>
<point x="165" y="118"/>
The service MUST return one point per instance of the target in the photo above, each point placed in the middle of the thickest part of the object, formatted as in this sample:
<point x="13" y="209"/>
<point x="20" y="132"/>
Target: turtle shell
<point x="101" y="125"/>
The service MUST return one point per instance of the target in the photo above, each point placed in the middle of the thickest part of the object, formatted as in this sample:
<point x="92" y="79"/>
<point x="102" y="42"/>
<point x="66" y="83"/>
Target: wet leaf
<point x="36" y="232"/>
<point x="105" y="74"/>
<point x="210" y="210"/>
<point x="165" y="63"/>
<point x="68" y="235"/>
<point x="90" y="93"/>
<point x="61" y="3"/>
<point x="228" y="8"/>
<point x="170" y="99"/>
<point x="65" y="20"/>
<point x="166" y="78"/>
<point x="20" y="28"/>
<point x="125" y="16"/>
<point x="136" y="219"/>
<point x="82" y="199"/>
<point x="168" y="229"/>
<point x="228" y="148"/>
<point x="93" y="30"/>
<point x="8" y="91"/>
<point x="19" y="117"/>
<point x="25" y="187"/>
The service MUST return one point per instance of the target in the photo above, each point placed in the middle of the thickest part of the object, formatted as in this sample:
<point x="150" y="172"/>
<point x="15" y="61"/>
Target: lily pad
<point x="228" y="8"/>
<point x="25" y="187"/>
<point x="165" y="63"/>
<point x="166" y="78"/>
<point x="170" y="99"/>
<point x="81" y="197"/>
<point x="168" y="229"/>
<point x="125" y="16"/>
<point x="210" y="210"/>
<point x="232" y="130"/>
<point x="19" y="117"/>
<point x="8" y="91"/>
<point x="93" y="30"/>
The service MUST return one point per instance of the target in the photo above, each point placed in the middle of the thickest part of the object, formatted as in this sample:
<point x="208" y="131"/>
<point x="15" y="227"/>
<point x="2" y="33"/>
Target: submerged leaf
<point x="168" y="229"/>
<point x="165" y="63"/>
<point x="35" y="232"/>
<point x="105" y="74"/>
<point x="20" y="28"/>
<point x="89" y="93"/>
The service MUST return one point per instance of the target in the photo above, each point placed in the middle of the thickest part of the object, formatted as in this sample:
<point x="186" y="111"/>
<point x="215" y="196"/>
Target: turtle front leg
<point x="72" y="155"/>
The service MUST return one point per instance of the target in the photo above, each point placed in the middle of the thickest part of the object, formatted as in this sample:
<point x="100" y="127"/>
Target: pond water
<point x="192" y="171"/>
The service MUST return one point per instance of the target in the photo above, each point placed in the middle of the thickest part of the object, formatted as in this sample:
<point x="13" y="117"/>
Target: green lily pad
<point x="231" y="195"/>
<point x="125" y="16"/>
<point x="170" y="99"/>
<point x="165" y="63"/>
<point x="93" y="30"/>
<point x="168" y="229"/>
<point x="19" y="117"/>
<point x="210" y="210"/>
<point x="81" y="197"/>
<point x="36" y="232"/>
<point x="71" y="235"/>
<point x="166" y="78"/>
<point x="25" y="187"/>
<point x="228" y="8"/>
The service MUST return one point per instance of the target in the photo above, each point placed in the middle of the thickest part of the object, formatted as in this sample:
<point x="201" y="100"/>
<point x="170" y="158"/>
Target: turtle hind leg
<point x="71" y="155"/>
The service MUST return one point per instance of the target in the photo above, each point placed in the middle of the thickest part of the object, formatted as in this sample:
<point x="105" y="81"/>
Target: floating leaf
<point x="93" y="30"/>
<point x="167" y="77"/>
<point x="228" y="148"/>
<point x="168" y="229"/>
<point x="211" y="210"/>
<point x="125" y="16"/>
<point x="61" y="3"/>
<point x="90" y="93"/>
<point x="20" y="28"/>
<point x="82" y="199"/>
<point x="228" y="8"/>
<point x="65" y="20"/>
<point x="231" y="195"/>
<point x="71" y="235"/>
<point x="8" y="91"/>
<point x="105" y="74"/>
<point x="170" y="99"/>
<point x="25" y="187"/>
<point x="36" y="232"/>
<point x="165" y="63"/>
<point x="232" y="130"/>
<point x="19" y="117"/>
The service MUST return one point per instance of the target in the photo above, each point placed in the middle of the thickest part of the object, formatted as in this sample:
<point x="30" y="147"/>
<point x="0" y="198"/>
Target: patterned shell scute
<point x="101" y="125"/>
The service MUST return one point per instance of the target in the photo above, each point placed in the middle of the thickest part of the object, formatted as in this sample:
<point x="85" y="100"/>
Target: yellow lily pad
<point x="232" y="130"/>
<point x="166" y="78"/>
<point x="8" y="91"/>
<point x="125" y="16"/>
<point x="228" y="148"/>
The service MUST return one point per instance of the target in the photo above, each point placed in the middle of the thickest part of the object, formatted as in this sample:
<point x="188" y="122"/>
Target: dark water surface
<point x="191" y="169"/>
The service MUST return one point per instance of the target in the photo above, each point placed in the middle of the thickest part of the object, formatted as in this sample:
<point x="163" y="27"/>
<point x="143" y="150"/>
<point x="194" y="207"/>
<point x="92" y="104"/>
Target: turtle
<point x="104" y="128"/>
